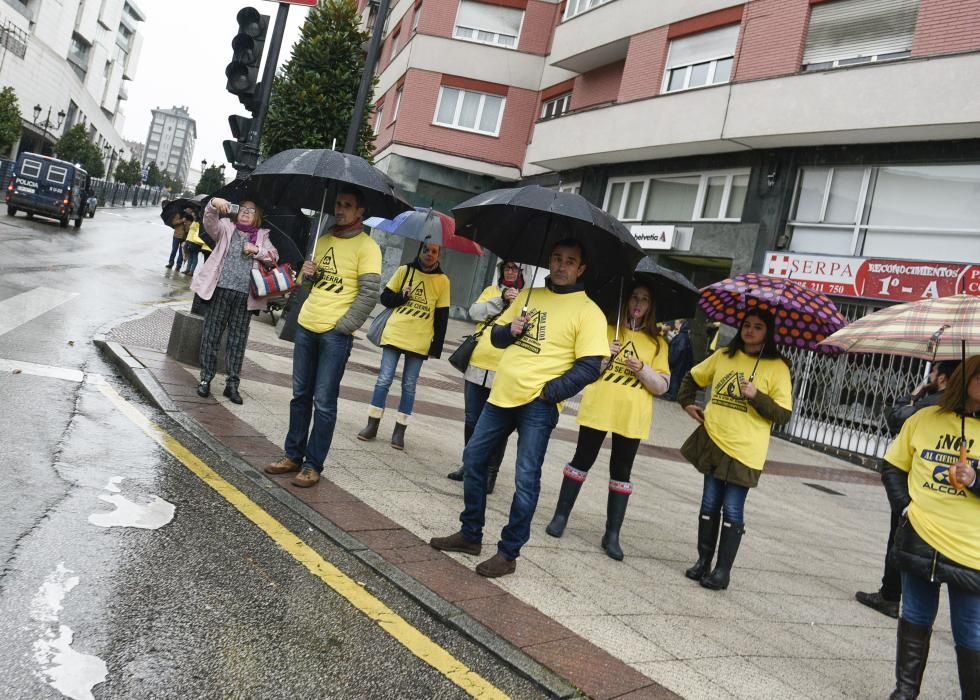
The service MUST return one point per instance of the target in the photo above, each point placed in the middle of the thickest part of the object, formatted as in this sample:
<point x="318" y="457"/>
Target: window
<point x="469" y="111"/>
<point x="577" y="7"/>
<point x="893" y="211"/>
<point x="398" y="103"/>
<point x="57" y="175"/>
<point x="715" y="196"/>
<point x="30" y="168"/>
<point x="395" y="38"/>
<point x="78" y="55"/>
<point x="379" y="111"/>
<point x="849" y="32"/>
<point x="701" y="59"/>
<point x="571" y="187"/>
<point x="556" y="107"/>
<point x="488" y="24"/>
<point x="417" y="17"/>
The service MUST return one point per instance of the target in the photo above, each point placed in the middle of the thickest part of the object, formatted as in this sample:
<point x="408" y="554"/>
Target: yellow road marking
<point x="392" y="623"/>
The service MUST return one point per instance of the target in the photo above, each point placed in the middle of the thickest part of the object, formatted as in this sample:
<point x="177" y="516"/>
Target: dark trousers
<point x="474" y="399"/>
<point x="228" y="309"/>
<point x="891" y="580"/>
<point x="620" y="460"/>
<point x="176" y="248"/>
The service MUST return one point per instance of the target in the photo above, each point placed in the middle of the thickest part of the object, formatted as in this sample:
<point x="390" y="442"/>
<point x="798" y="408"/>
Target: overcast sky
<point x="186" y="46"/>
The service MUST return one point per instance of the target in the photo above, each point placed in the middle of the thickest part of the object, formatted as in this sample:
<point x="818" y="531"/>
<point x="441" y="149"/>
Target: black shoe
<point x="456" y="475"/>
<point x="876" y="602"/>
<point x="232" y="393"/>
<point x="169" y="265"/>
<point x="204" y="389"/>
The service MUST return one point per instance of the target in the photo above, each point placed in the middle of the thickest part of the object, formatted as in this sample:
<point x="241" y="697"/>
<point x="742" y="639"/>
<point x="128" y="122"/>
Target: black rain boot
<point x="619" y="496"/>
<point x="370" y="430"/>
<point x="731" y="538"/>
<point x="910" y="659"/>
<point x="968" y="664"/>
<point x="398" y="434"/>
<point x="570" y="486"/>
<point x="707" y="541"/>
<point x="494" y="467"/>
<point x="457" y="474"/>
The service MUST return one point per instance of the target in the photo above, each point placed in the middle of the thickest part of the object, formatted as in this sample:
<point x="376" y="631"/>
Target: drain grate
<point x="818" y="487"/>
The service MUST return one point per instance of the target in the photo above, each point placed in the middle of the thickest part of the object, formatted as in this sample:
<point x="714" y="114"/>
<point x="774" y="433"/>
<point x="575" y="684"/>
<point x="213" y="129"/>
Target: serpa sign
<point x="654" y="237"/>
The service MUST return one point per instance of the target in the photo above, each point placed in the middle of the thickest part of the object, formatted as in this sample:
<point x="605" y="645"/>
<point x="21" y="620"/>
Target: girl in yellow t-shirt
<point x="934" y="486"/>
<point x="619" y="402"/>
<point x="751" y="390"/>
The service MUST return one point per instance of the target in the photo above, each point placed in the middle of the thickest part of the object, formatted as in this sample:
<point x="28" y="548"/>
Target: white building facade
<point x="72" y="59"/>
<point x="170" y="141"/>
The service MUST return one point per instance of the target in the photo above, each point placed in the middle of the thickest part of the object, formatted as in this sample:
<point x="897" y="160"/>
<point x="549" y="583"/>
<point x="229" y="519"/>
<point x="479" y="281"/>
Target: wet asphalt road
<point x="206" y="605"/>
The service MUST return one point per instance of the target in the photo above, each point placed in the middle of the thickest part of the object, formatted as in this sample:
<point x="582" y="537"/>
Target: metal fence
<point x="116" y="194"/>
<point x="839" y="402"/>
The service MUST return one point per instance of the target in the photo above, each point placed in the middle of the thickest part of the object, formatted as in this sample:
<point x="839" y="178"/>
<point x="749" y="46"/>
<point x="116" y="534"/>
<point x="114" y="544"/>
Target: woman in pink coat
<point x="225" y="281"/>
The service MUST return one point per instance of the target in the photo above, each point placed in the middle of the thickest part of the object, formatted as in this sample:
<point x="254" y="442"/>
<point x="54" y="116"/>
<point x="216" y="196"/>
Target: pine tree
<point x="9" y="120"/>
<point x="313" y="96"/>
<point x="211" y="180"/>
<point x="75" y="146"/>
<point x="128" y="172"/>
<point x="154" y="178"/>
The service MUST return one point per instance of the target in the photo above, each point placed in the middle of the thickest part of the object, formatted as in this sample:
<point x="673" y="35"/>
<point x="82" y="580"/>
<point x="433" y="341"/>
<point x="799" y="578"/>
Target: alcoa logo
<point x="941" y="475"/>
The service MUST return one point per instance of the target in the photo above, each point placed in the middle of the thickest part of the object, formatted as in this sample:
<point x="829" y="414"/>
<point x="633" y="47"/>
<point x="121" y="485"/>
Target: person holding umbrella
<point x="225" y="281"/>
<point x="621" y="402"/>
<point x="418" y="295"/>
<point x="751" y="391"/>
<point x="930" y="476"/>
<point x="553" y="345"/>
<point x="344" y="277"/>
<point x="480" y="372"/>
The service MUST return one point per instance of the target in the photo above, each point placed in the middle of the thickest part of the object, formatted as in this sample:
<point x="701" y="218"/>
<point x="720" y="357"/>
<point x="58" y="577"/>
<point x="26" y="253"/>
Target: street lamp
<point x="112" y="160"/>
<point x="46" y="124"/>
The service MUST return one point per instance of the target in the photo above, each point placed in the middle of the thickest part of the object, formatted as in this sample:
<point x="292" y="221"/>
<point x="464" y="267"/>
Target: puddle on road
<point x="71" y="673"/>
<point x="148" y="516"/>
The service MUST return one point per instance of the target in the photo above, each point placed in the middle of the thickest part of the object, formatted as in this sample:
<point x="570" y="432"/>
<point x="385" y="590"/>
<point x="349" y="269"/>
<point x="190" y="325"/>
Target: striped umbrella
<point x="947" y="328"/>
<point x="803" y="317"/>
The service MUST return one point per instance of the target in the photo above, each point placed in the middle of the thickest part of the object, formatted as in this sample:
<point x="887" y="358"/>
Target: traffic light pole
<point x="250" y="150"/>
<point x="350" y="146"/>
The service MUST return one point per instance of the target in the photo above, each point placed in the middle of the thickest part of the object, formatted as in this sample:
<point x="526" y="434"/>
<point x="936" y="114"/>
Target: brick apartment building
<point x="832" y="141"/>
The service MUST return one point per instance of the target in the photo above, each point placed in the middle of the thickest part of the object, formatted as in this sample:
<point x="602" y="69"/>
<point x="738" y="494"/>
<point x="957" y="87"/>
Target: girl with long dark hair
<point x="751" y="390"/>
<point x="619" y="402"/>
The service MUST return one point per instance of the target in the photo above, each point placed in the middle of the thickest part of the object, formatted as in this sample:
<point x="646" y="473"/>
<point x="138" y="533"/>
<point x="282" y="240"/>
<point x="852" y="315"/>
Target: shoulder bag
<point x="377" y="327"/>
<point x="460" y="359"/>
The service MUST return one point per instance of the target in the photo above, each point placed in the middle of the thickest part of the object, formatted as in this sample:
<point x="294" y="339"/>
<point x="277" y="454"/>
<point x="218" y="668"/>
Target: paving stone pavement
<point x="788" y="627"/>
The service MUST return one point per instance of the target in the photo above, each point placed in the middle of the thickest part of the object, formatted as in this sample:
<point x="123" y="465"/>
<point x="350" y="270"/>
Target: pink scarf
<point x="251" y="231"/>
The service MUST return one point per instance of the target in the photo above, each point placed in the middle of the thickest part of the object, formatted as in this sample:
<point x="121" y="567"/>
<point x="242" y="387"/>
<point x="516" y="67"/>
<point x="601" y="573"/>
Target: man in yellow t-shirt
<point x="418" y="295"/>
<point x="555" y="340"/>
<point x="346" y="276"/>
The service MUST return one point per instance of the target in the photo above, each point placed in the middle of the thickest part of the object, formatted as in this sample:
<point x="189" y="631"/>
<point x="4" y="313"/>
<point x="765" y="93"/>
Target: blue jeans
<point x="920" y="603"/>
<point x="386" y="375"/>
<point x="176" y="248"/>
<point x="718" y="494"/>
<point x="192" y="250"/>
<point x="534" y="422"/>
<point x="474" y="399"/>
<point x="319" y="361"/>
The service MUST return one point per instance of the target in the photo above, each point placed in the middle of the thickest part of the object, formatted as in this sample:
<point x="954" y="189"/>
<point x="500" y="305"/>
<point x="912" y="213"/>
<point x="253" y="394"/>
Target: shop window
<point x="716" y="196"/>
<point x="469" y="111"/>
<point x="915" y="212"/>
<point x="577" y="7"/>
<point x="556" y="107"/>
<point x="488" y="24"/>
<point x="701" y="59"/>
<point x="851" y="32"/>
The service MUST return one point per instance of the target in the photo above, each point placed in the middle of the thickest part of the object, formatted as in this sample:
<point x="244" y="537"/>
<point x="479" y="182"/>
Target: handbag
<point x="460" y="359"/>
<point x="272" y="281"/>
<point x="377" y="327"/>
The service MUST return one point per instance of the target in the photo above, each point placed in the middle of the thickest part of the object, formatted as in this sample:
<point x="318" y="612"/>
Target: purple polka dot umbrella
<point x="803" y="317"/>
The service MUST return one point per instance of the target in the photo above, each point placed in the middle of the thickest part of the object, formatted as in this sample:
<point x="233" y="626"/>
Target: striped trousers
<point x="228" y="308"/>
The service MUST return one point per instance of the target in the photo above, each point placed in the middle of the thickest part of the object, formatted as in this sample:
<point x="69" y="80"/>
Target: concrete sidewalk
<point x="788" y="627"/>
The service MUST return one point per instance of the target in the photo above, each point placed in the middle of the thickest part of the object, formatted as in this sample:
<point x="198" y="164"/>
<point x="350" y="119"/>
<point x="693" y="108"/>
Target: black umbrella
<point x="175" y="206"/>
<point x="673" y="294"/>
<point x="524" y="224"/>
<point x="289" y="232"/>
<point x="302" y="177"/>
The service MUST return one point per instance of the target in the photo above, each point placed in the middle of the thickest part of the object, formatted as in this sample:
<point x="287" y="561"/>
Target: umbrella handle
<point x="953" y="481"/>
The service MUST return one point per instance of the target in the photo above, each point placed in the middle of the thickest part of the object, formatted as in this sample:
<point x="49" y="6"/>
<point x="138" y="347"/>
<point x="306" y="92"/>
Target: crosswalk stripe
<point x="19" y="309"/>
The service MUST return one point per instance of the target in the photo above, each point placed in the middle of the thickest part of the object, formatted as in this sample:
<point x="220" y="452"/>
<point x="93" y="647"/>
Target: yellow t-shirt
<point x="339" y="262"/>
<point x="485" y="355"/>
<point x="731" y="421"/>
<point x="411" y="326"/>
<point x="617" y="402"/>
<point x="946" y="518"/>
<point x="561" y="329"/>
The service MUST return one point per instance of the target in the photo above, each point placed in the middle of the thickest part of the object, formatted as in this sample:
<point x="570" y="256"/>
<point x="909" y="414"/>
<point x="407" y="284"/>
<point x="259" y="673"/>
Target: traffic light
<point x="240" y="129"/>
<point x="243" y="71"/>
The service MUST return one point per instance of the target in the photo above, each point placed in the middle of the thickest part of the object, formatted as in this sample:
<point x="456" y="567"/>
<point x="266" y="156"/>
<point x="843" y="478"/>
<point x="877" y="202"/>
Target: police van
<point x="48" y="187"/>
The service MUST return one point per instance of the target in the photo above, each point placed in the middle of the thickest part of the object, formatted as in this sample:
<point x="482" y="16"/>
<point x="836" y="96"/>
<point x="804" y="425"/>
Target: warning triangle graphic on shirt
<point x="627" y="352"/>
<point x="536" y="325"/>
<point x="418" y="294"/>
<point x="730" y="386"/>
<point x="327" y="263"/>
